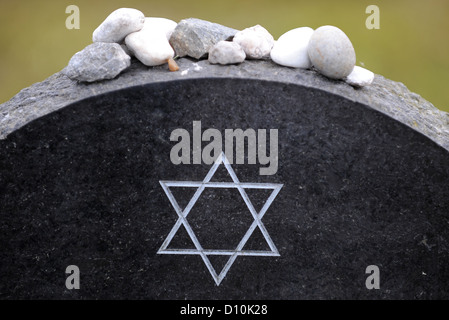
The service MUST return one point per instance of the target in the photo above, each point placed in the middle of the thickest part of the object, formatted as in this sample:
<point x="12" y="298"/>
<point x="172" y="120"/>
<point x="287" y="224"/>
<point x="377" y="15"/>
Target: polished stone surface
<point x="81" y="186"/>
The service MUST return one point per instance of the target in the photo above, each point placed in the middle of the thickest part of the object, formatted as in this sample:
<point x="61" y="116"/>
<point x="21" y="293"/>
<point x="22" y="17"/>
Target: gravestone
<point x="87" y="180"/>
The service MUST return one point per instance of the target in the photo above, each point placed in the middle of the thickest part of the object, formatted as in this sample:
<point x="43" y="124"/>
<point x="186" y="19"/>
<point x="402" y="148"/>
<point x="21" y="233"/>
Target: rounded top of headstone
<point x="386" y="96"/>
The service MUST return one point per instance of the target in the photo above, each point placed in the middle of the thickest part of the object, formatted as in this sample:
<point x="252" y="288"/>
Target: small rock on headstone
<point x="150" y="45"/>
<point x="331" y="52"/>
<point x="195" y="37"/>
<point x="226" y="52"/>
<point x="162" y="25"/>
<point x="360" y="77"/>
<point x="291" y="48"/>
<point x="256" y="41"/>
<point x="118" y="25"/>
<point x="98" y="61"/>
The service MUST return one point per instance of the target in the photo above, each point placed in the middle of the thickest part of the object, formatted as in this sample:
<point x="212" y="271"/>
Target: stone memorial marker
<point x="340" y="191"/>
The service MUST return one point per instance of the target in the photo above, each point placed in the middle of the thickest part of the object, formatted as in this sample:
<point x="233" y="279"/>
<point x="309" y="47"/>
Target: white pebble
<point x="162" y="25"/>
<point x="256" y="41"/>
<point x="225" y="52"/>
<point x="150" y="45"/>
<point x="360" y="77"/>
<point x="118" y="25"/>
<point x="291" y="48"/>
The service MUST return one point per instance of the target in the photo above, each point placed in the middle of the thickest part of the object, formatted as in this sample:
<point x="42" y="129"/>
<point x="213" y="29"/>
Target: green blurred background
<point x="411" y="46"/>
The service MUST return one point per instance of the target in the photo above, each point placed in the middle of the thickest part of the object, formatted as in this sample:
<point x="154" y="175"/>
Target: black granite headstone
<point x="92" y="185"/>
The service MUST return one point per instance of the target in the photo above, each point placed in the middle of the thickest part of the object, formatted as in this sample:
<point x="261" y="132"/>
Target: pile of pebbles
<point x="153" y="41"/>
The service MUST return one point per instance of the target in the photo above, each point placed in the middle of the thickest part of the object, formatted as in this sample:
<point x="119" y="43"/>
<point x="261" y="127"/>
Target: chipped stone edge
<point x="384" y="95"/>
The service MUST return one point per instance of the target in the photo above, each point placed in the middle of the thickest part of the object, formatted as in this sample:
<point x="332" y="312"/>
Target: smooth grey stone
<point x="331" y="52"/>
<point x="98" y="61"/>
<point x="195" y="37"/>
<point x="226" y="52"/>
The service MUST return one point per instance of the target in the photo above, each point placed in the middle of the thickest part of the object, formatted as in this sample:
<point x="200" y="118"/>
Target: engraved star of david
<point x="201" y="186"/>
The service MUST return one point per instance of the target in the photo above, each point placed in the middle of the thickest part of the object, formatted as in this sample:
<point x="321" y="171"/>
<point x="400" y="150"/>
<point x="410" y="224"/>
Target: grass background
<point x="412" y="45"/>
